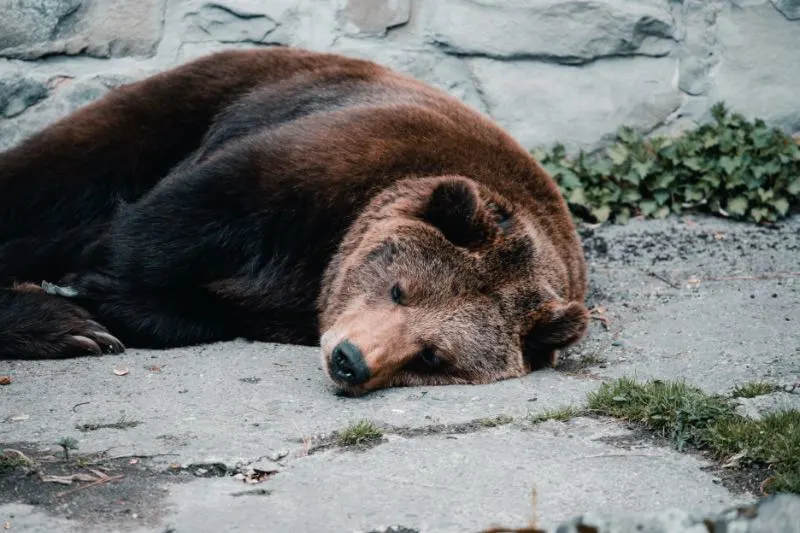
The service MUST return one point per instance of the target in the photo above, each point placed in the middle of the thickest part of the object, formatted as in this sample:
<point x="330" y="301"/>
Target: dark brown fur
<point x="279" y="195"/>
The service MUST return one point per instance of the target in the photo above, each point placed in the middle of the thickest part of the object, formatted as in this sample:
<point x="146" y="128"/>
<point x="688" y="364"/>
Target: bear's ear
<point x="454" y="208"/>
<point x="553" y="326"/>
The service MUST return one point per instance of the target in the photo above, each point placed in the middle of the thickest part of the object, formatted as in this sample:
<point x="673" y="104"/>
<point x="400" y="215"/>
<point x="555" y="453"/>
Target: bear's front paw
<point x="38" y="325"/>
<point x="91" y="338"/>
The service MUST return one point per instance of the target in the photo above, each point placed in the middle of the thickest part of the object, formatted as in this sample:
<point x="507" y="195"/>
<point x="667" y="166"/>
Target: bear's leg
<point x="144" y="317"/>
<point x="38" y="325"/>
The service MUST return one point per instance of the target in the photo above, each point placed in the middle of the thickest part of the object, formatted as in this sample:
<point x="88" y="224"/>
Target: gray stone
<point x="760" y="406"/>
<point x="374" y="17"/>
<point x="96" y="28"/>
<point x="541" y="104"/>
<point x="570" y="32"/>
<point x="789" y="8"/>
<point x="310" y="24"/>
<point x="229" y="22"/>
<point x="462" y="483"/>
<point x="68" y="96"/>
<point x="771" y="514"/>
<point x="755" y="75"/>
<point x="432" y="66"/>
<point x="30" y="22"/>
<point x="18" y="93"/>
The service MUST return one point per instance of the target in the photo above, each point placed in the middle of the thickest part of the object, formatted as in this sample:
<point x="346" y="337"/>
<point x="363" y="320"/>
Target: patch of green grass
<point x="592" y="359"/>
<point x="773" y="440"/>
<point x="561" y="414"/>
<point x="499" y="420"/>
<point x="691" y="417"/>
<point x="673" y="409"/>
<point x="752" y="389"/>
<point x="359" y="434"/>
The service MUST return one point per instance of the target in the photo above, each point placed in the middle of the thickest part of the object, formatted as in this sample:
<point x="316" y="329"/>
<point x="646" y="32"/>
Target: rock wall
<point x="570" y="71"/>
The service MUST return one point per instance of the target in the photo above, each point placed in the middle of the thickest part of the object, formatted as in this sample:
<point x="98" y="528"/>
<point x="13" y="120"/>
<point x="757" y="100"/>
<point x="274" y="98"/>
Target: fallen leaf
<point x="5" y="380"/>
<point x="154" y="368"/>
<point x="121" y="370"/>
<point x="719" y="236"/>
<point x="19" y="418"/>
<point x="6" y="525"/>
<point x="133" y="462"/>
<point x="693" y="282"/>
<point x="733" y="461"/>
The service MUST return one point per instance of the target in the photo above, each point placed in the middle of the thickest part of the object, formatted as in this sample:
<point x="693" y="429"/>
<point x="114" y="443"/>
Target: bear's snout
<point x="347" y="364"/>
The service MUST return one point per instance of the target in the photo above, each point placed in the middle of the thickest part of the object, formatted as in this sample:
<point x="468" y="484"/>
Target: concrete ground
<point x="236" y="436"/>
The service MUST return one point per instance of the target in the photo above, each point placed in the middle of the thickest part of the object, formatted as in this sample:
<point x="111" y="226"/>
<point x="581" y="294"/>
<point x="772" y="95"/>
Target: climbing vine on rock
<point x="730" y="166"/>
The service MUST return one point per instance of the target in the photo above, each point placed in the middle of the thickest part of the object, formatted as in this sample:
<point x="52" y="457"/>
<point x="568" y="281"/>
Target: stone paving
<point x="700" y="299"/>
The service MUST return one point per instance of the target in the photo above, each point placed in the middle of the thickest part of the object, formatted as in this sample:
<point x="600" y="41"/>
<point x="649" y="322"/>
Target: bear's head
<point x="443" y="281"/>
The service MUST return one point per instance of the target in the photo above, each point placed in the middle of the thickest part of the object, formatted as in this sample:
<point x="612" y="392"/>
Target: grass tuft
<point x="752" y="389"/>
<point x="359" y="434"/>
<point x="561" y="414"/>
<point x="709" y="422"/>
<point x="499" y="420"/>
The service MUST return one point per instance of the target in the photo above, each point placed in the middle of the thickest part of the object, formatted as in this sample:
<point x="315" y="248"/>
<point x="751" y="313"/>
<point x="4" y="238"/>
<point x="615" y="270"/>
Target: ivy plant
<point x="730" y="166"/>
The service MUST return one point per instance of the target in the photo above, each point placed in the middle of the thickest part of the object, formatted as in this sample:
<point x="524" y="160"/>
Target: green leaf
<point x="577" y="197"/>
<point x="648" y="207"/>
<point x="728" y="164"/>
<point x="737" y="206"/>
<point x="661" y="197"/>
<point x="631" y="177"/>
<point x="661" y="212"/>
<point x="601" y="213"/>
<point x="794" y="185"/>
<point x="618" y="153"/>
<point x="642" y="168"/>
<point x="569" y="179"/>
<point x="693" y="163"/>
<point x="781" y="205"/>
<point x="630" y="196"/>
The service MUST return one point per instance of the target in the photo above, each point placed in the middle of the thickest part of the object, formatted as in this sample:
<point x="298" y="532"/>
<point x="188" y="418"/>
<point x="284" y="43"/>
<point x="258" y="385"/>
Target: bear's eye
<point x="429" y="357"/>
<point x="397" y="294"/>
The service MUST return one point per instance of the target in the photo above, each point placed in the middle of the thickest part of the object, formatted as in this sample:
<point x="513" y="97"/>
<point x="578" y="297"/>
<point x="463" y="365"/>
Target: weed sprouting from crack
<point x="752" y="389"/>
<point x="360" y="434"/>
<point x="499" y="420"/>
<point x="561" y="414"/>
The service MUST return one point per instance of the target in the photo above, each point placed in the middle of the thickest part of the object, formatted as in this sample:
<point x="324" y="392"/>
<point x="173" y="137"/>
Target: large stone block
<point x="541" y="104"/>
<point x="571" y="31"/>
<point x="432" y="66"/>
<point x="67" y="96"/>
<point x="30" y="29"/>
<point x="19" y="92"/>
<point x="30" y="22"/>
<point x="759" y="66"/>
<point x="230" y="21"/>
<point x="789" y="8"/>
<point x="374" y="17"/>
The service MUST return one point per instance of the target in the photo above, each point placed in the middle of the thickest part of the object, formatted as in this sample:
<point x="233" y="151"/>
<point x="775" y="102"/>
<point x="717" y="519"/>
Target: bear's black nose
<point x="347" y="364"/>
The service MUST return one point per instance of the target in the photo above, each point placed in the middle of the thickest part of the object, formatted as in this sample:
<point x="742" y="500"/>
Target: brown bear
<point x="285" y="195"/>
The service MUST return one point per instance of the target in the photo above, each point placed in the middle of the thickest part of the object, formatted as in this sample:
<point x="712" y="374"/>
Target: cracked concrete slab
<point x="686" y="298"/>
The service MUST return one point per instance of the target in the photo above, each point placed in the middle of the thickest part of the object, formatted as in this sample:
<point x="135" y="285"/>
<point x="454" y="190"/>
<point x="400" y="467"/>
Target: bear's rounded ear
<point x="553" y="326"/>
<point x="454" y="208"/>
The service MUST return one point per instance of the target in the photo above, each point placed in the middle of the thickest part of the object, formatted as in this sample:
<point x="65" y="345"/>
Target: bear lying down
<point x="288" y="196"/>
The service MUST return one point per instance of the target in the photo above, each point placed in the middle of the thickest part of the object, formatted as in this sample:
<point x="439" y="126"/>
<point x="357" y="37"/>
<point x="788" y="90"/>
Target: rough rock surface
<point x="39" y="28"/>
<point x="570" y="31"/>
<point x="569" y="71"/>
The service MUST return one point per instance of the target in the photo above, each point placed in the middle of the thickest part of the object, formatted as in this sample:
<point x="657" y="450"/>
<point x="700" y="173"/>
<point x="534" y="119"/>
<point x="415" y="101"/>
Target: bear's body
<point x="234" y="195"/>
